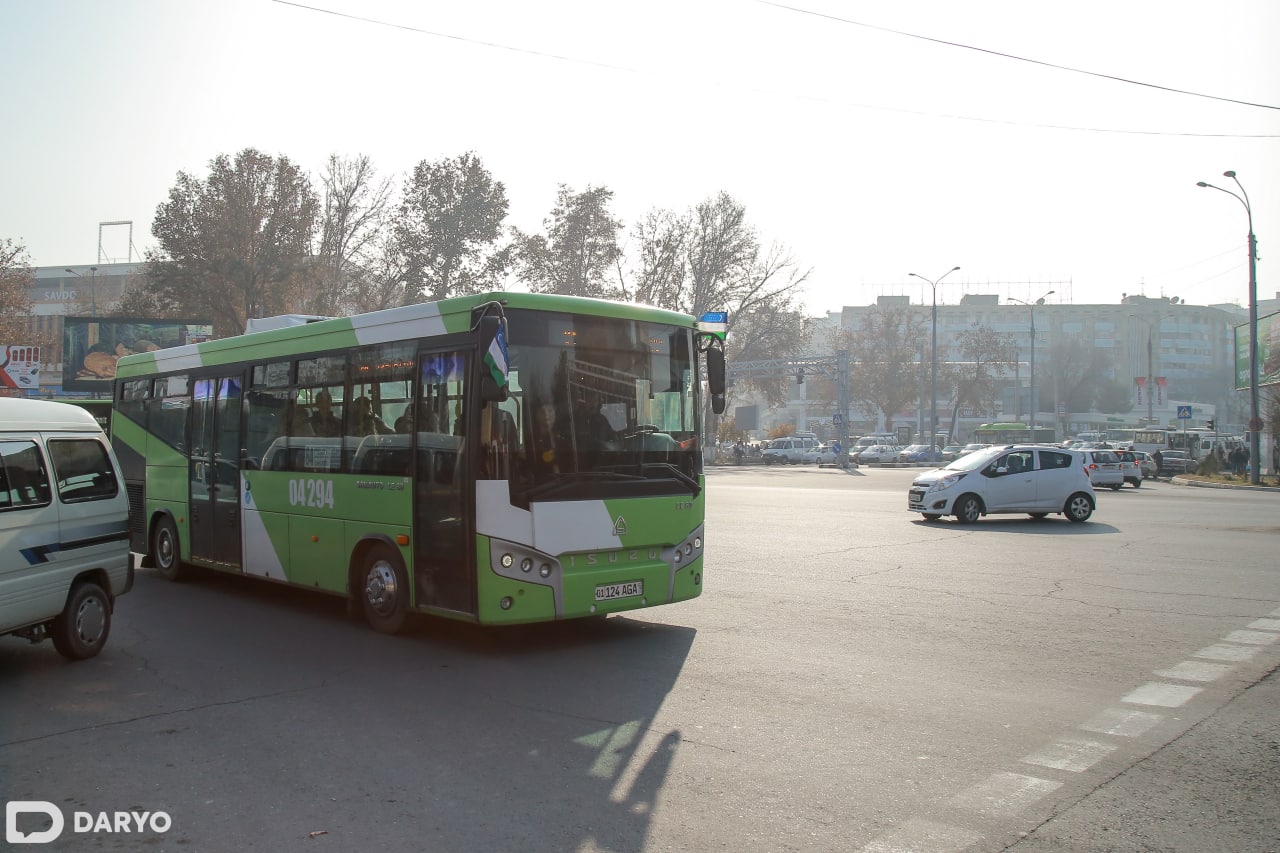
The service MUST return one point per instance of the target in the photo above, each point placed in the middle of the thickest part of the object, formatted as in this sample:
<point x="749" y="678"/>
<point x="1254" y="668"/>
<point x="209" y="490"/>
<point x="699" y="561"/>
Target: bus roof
<point x="423" y="319"/>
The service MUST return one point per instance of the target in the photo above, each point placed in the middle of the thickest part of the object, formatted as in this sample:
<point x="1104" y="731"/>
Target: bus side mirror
<point x="715" y="378"/>
<point x="491" y="332"/>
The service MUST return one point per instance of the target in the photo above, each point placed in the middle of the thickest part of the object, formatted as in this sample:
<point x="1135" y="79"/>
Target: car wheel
<point x="81" y="629"/>
<point x="1078" y="507"/>
<point x="1115" y="487"/>
<point x="931" y="516"/>
<point x="383" y="591"/>
<point x="1137" y="482"/>
<point x="166" y="551"/>
<point x="968" y="510"/>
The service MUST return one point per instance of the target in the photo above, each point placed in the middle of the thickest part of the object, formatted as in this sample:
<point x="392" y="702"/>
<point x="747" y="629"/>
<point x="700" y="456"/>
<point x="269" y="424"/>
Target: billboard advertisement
<point x="1268" y="352"/>
<point x="92" y="345"/>
<point x="19" y="369"/>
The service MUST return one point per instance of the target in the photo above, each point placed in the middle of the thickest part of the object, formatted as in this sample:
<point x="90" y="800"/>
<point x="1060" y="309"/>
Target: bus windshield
<point x="597" y="407"/>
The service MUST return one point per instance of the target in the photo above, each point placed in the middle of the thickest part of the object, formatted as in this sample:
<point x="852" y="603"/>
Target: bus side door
<point x="215" y="470"/>
<point x="444" y="492"/>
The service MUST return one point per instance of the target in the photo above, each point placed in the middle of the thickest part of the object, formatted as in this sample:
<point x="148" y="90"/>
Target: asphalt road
<point x="853" y="679"/>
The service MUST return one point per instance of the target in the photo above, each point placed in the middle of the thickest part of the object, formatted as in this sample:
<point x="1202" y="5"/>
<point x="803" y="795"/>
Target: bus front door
<point x="443" y="528"/>
<point x="215" y="470"/>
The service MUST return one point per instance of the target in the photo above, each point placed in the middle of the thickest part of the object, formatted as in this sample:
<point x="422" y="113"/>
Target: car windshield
<point x="974" y="461"/>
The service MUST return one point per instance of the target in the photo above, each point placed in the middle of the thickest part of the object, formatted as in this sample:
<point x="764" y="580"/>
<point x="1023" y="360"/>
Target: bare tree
<point x="984" y="357"/>
<point x="351" y="273"/>
<point x="16" y="278"/>
<point x="884" y="355"/>
<point x="1078" y="370"/>
<point x="662" y="267"/>
<point x="580" y="247"/>
<point x="449" y="227"/>
<point x="710" y="259"/>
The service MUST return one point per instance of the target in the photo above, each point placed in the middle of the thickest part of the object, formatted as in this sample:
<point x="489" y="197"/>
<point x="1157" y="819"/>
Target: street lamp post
<point x="1255" y="419"/>
<point x="93" y="286"/>
<point x="1035" y="409"/>
<point x="933" y="365"/>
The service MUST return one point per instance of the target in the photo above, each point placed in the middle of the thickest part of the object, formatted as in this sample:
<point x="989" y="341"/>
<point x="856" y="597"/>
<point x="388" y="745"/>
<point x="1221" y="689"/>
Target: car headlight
<point x="945" y="482"/>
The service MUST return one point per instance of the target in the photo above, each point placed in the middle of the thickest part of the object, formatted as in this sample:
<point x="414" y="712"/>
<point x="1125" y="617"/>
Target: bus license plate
<point x="608" y="591"/>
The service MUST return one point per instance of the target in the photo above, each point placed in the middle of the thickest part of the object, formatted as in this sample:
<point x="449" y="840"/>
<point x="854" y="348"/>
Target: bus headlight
<point x="526" y="564"/>
<point x="507" y="560"/>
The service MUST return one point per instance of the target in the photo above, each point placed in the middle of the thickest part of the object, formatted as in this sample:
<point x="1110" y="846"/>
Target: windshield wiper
<point x="570" y="478"/>
<point x="677" y="474"/>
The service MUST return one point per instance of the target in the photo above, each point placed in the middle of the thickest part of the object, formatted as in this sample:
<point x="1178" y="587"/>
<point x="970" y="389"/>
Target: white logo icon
<point x="16" y="807"/>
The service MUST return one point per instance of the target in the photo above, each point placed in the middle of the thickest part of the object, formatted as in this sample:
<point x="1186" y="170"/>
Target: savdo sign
<point x="17" y="831"/>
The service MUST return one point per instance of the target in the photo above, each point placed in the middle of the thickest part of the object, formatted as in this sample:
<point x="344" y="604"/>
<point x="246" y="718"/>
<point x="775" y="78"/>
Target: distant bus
<point x="1147" y="440"/>
<point x="1199" y="442"/>
<point x="500" y="458"/>
<point x="1013" y="433"/>
<point x="1120" y="437"/>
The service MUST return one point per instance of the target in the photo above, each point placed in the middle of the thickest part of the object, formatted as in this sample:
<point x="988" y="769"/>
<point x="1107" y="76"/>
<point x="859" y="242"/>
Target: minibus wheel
<point x="81" y="629"/>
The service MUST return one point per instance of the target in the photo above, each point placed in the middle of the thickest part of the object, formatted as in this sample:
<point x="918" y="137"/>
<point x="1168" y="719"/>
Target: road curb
<point x="1201" y="484"/>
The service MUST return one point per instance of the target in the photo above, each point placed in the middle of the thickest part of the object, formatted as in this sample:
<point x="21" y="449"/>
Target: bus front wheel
<point x="384" y="591"/>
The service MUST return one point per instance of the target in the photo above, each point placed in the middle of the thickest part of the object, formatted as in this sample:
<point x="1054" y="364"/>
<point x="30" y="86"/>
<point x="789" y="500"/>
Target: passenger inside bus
<point x="423" y="421"/>
<point x="323" y="421"/>
<point x="363" y="419"/>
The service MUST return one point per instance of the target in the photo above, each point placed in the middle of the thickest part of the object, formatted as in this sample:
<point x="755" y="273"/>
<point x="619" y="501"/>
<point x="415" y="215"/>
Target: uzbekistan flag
<point x="496" y="358"/>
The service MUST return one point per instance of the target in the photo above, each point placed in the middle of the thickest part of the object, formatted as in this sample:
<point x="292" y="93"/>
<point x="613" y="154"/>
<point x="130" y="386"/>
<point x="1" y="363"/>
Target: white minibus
<point x="64" y="527"/>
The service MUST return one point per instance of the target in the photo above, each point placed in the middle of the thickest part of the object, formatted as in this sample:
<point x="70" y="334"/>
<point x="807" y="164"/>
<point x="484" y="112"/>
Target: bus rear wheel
<point x="384" y="591"/>
<point x="166" y="551"/>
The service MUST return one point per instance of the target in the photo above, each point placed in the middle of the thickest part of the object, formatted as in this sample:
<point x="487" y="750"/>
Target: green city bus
<point x="501" y="458"/>
<point x="1013" y="433"/>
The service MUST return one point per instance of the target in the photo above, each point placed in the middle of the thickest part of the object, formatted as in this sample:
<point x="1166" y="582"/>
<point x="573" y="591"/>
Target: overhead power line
<point x="856" y="105"/>
<point x="1017" y="58"/>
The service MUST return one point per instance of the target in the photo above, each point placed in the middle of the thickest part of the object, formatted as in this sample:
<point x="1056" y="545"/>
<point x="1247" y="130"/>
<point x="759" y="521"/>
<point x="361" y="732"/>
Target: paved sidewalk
<point x="1216" y="789"/>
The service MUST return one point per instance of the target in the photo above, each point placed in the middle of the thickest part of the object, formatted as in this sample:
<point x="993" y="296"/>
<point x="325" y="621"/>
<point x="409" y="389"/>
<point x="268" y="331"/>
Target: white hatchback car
<point x="821" y="454"/>
<point x="1105" y="468"/>
<point x="1034" y="479"/>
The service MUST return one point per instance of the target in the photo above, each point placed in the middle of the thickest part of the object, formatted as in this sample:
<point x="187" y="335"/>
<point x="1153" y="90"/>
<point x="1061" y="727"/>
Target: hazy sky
<point x="872" y="140"/>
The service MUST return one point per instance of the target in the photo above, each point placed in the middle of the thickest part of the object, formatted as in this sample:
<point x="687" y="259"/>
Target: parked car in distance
<point x="1134" y="472"/>
<point x="871" y="439"/>
<point x="952" y="452"/>
<point x="879" y="453"/>
<point x="1146" y="464"/>
<point x="786" y="450"/>
<point x="1104" y="468"/>
<point x="1035" y="479"/>
<point x="973" y="448"/>
<point x="821" y="454"/>
<point x="916" y="454"/>
<point x="1176" y="462"/>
